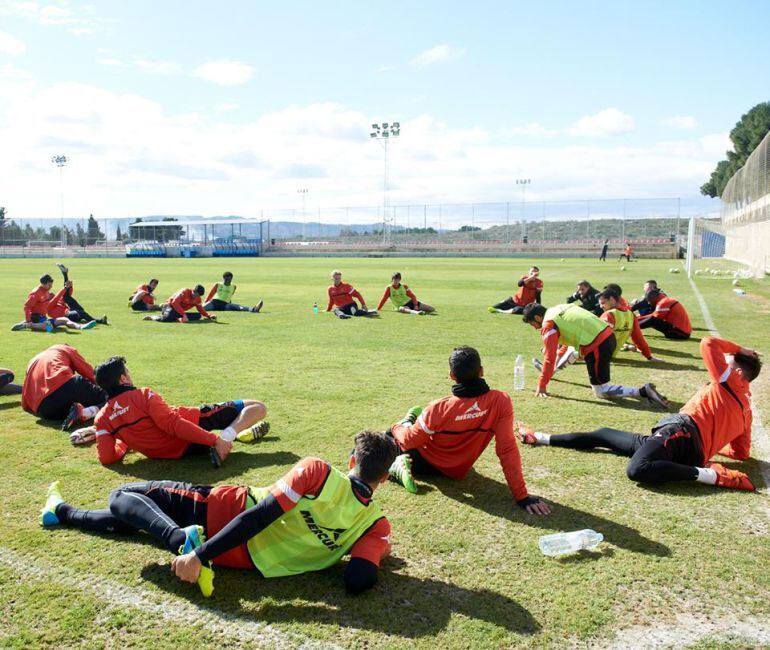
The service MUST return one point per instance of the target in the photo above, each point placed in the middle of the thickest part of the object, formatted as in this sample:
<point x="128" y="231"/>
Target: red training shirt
<point x="672" y="311"/>
<point x="342" y="295"/>
<point x="36" y="302"/>
<point x="527" y="293"/>
<point x="185" y="299"/>
<point x="50" y="370"/>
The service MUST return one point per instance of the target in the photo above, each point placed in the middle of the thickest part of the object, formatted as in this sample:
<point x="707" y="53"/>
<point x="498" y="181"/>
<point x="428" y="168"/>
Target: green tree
<point x="746" y="136"/>
<point x="118" y="234"/>
<point x="93" y="232"/>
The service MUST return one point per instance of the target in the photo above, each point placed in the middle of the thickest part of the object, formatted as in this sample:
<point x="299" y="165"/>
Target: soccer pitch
<point x="684" y="562"/>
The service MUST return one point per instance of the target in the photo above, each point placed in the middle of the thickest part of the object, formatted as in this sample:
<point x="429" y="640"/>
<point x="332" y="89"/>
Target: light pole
<point x="383" y="133"/>
<point x="60" y="161"/>
<point x="522" y="183"/>
<point x="302" y="191"/>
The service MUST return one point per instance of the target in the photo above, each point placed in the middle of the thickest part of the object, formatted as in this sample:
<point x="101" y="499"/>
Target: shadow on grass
<point x="673" y="353"/>
<point x="399" y="605"/>
<point x="10" y="405"/>
<point x="494" y="498"/>
<point x="655" y="365"/>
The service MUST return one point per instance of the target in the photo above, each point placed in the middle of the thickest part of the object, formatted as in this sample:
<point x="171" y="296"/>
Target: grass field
<point x="466" y="570"/>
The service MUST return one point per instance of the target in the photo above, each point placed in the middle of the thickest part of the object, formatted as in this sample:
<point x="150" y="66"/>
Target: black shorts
<point x="185" y="503"/>
<point x="38" y="318"/>
<point x="350" y="309"/>
<point x="216" y="305"/>
<point x="681" y="439"/>
<point x="598" y="362"/>
<point x="78" y="389"/>
<point x="219" y="416"/>
<point x="139" y="305"/>
<point x="416" y="306"/>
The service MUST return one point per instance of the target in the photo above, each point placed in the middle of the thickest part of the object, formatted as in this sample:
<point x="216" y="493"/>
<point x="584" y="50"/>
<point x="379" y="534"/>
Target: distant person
<point x="403" y="298"/>
<point x="220" y="297"/>
<point x="7" y="387"/>
<point x="530" y="288"/>
<point x="342" y="299"/>
<point x="605" y="246"/>
<point x="143" y="298"/>
<point x="716" y="420"/>
<point x="36" y="309"/>
<point x="628" y="251"/>
<point x="174" y="310"/>
<point x="586" y="297"/>
<point x="60" y="385"/>
<point x="640" y="304"/>
<point x="669" y="317"/>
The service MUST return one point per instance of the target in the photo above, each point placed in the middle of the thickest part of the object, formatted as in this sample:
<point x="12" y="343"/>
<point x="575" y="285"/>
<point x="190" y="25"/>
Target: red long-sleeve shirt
<point x="452" y="432"/>
<point x="636" y="333"/>
<point x="722" y="408"/>
<point x="139" y="419"/>
<point x="36" y="302"/>
<point x="386" y="296"/>
<point x="527" y="292"/>
<point x="343" y="294"/>
<point x="57" y="308"/>
<point x="147" y="297"/>
<point x="50" y="370"/>
<point x="185" y="299"/>
<point x="672" y="311"/>
<point x="550" y="335"/>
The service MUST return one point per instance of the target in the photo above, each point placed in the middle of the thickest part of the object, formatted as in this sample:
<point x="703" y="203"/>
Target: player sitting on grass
<point x="624" y="324"/>
<point x="67" y="307"/>
<point x="7" y="387"/>
<point x="403" y="298"/>
<point x="36" y="308"/>
<point x="306" y="521"/>
<point x="60" y="385"/>
<point x="716" y="420"/>
<point x="669" y="317"/>
<point x="448" y="436"/>
<point x="530" y="289"/>
<point x="573" y="326"/>
<point x="220" y="297"/>
<point x="342" y="298"/>
<point x="640" y="304"/>
<point x="586" y="297"/>
<point x="174" y="310"/>
<point x="143" y="298"/>
<point x="139" y="419"/>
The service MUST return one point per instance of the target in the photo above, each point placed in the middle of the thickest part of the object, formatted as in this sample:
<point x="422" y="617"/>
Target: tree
<point x="80" y="235"/>
<point x="746" y="136"/>
<point x="118" y="234"/>
<point x="469" y="228"/>
<point x="93" y="233"/>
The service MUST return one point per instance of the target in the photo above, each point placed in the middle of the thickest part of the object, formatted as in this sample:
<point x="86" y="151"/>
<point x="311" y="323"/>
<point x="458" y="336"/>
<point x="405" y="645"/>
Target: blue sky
<point x="203" y="108"/>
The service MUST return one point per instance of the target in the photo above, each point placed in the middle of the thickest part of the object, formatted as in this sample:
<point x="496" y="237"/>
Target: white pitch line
<point x="232" y="628"/>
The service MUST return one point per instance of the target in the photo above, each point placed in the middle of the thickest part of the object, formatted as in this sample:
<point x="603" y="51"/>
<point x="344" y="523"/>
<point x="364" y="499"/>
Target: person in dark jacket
<point x="587" y="297"/>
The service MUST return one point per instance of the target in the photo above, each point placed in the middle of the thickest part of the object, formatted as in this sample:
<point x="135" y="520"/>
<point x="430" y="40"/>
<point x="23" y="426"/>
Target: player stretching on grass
<point x="138" y="419"/>
<point x="716" y="420"/>
<point x="403" y="298"/>
<point x="67" y="307"/>
<point x="36" y="309"/>
<point x="220" y="297"/>
<point x="586" y="297"/>
<point x="175" y="308"/>
<point x="306" y="521"/>
<point x="449" y="435"/>
<point x="530" y="288"/>
<point x="143" y="298"/>
<point x="573" y="326"/>
<point x="669" y="317"/>
<point x="624" y="323"/>
<point x="60" y="385"/>
<point x="342" y="298"/>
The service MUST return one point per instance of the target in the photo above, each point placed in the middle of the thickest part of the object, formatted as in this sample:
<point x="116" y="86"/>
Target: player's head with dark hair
<point x="227" y="277"/>
<point x="46" y="280"/>
<point x="465" y="364"/>
<point x="584" y="286"/>
<point x="533" y="314"/>
<point x="373" y="454"/>
<point x="534" y="269"/>
<point x="614" y="287"/>
<point x="110" y="375"/>
<point x="608" y="299"/>
<point x="153" y="283"/>
<point x="749" y="364"/>
<point x="652" y="296"/>
<point x="650" y="284"/>
<point x="199" y="289"/>
<point x="396" y="276"/>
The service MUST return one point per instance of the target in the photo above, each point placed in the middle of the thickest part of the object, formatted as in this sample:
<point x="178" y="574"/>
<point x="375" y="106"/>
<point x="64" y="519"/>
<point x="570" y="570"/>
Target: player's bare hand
<point x="540" y="508"/>
<point x="749" y="352"/>
<point x="212" y="317"/>
<point x="540" y="393"/>
<point x="186" y="567"/>
<point x="223" y="448"/>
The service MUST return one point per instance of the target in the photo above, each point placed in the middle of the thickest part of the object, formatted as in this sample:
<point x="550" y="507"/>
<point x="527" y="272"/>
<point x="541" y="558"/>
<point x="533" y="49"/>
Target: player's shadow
<point x="667" y="352"/>
<point x="654" y="365"/>
<point x="629" y="403"/>
<point x="399" y="605"/>
<point x="10" y="405"/>
<point x="48" y="424"/>
<point x="198" y="468"/>
<point x="495" y="499"/>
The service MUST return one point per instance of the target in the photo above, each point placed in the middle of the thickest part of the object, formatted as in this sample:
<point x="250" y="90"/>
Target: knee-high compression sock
<point x="614" y="391"/>
<point x="97" y="521"/>
<point x="143" y="513"/>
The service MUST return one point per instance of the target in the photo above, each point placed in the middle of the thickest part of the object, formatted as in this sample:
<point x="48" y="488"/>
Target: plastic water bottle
<point x="49" y="326"/>
<point x="315" y="307"/>
<point x="739" y="292"/>
<point x="518" y="373"/>
<point x="563" y="543"/>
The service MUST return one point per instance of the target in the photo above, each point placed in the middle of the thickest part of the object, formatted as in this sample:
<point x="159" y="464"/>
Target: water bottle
<point x="563" y="543"/>
<point x="315" y="307"/>
<point x="739" y="292"/>
<point x="518" y="373"/>
<point x="49" y="326"/>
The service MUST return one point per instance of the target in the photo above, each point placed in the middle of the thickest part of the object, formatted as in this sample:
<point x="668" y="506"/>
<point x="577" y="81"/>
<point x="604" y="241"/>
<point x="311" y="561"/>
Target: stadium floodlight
<point x="303" y="191"/>
<point x="383" y="133"/>
<point x="60" y="161"/>
<point x="523" y="182"/>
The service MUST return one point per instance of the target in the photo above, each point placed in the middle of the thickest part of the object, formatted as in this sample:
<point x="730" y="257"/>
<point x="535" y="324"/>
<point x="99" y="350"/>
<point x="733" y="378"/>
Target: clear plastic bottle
<point x="563" y="543"/>
<point x="518" y="373"/>
<point x="315" y="307"/>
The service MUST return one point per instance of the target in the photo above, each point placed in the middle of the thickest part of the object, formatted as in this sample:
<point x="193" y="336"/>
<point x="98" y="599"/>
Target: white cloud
<point x="225" y="73"/>
<point x="438" y="54"/>
<point x="157" y="67"/>
<point x="534" y="130"/>
<point x="610" y="121"/>
<point x="226" y="107"/>
<point x="78" y="20"/>
<point x="685" y="122"/>
<point x="385" y="68"/>
<point x="111" y="61"/>
<point x="11" y="45"/>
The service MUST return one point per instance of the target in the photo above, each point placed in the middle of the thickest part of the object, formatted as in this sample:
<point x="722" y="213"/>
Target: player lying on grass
<point x="342" y="299"/>
<point x="60" y="385"/>
<point x="139" y="419"/>
<point x="716" y="420"/>
<point x="306" y="521"/>
<point x="36" y="310"/>
<point x="143" y="298"/>
<point x="586" y="297"/>
<point x="530" y="289"/>
<point x="220" y="297"/>
<point x="624" y="323"/>
<point x="593" y="338"/>
<point x="68" y="307"/>
<point x="403" y="298"/>
<point x="174" y="310"/>
<point x="7" y="387"/>
<point x="669" y="317"/>
<point x="448" y="436"/>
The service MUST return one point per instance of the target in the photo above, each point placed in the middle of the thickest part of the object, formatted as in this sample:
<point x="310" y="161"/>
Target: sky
<point x="205" y="108"/>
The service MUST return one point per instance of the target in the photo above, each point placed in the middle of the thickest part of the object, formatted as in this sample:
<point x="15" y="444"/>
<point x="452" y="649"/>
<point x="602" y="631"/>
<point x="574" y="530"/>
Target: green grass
<point x="466" y="570"/>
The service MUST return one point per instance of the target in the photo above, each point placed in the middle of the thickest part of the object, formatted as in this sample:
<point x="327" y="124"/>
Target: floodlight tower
<point x="383" y="133"/>
<point x="523" y="182"/>
<point x="302" y="191"/>
<point x="60" y="161"/>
